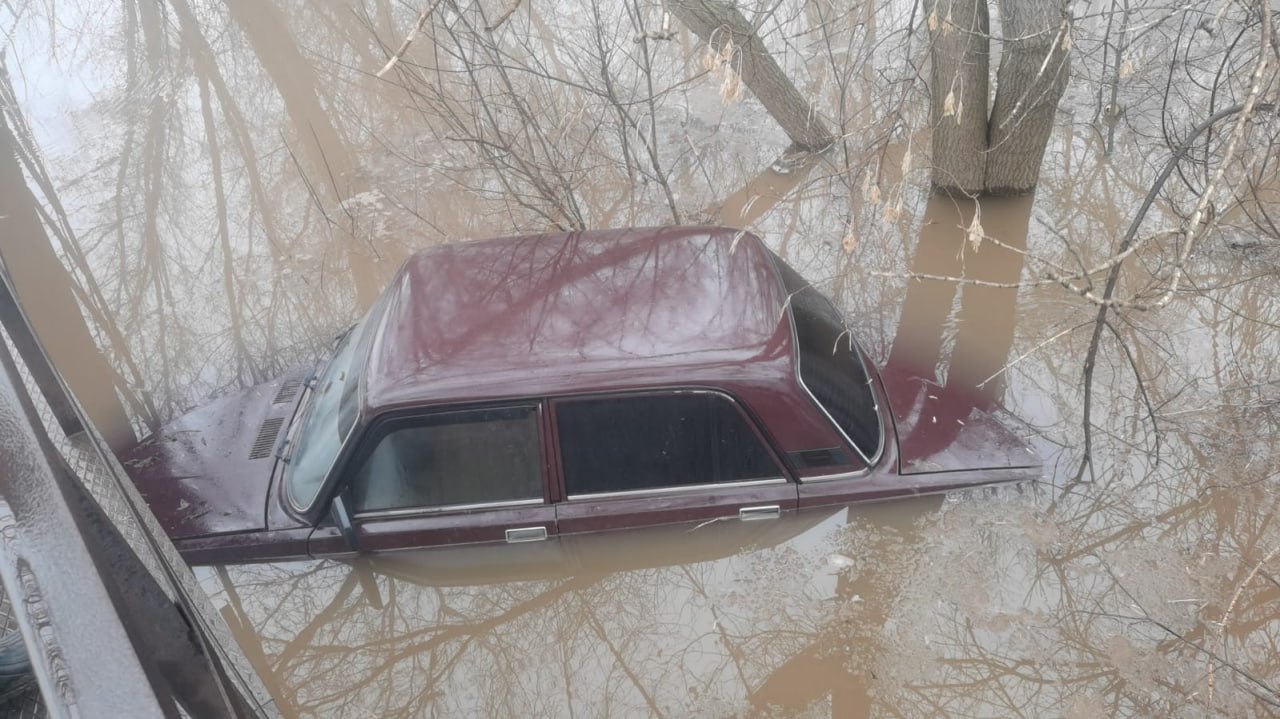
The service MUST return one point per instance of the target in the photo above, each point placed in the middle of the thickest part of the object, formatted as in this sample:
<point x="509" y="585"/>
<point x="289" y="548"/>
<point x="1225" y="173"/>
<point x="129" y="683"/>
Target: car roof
<point x="565" y="313"/>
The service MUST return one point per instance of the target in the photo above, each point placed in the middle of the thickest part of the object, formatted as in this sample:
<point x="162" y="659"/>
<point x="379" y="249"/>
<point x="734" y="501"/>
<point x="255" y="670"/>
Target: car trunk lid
<point x="944" y="429"/>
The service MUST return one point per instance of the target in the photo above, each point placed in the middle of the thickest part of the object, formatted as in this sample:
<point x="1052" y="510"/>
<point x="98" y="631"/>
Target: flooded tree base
<point x="209" y="193"/>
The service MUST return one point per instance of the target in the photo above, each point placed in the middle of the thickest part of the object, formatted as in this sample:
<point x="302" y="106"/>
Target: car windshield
<point x="328" y="420"/>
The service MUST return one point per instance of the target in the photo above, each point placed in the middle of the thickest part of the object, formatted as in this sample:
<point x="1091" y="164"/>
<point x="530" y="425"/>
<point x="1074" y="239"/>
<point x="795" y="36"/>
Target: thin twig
<point x="1113" y="277"/>
<point x="1008" y="366"/>
<point x="1231" y="607"/>
<point x="497" y="23"/>
<point x="413" y="33"/>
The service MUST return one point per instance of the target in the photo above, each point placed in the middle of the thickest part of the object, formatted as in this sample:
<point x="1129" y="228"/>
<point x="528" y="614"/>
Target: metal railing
<point x="114" y="621"/>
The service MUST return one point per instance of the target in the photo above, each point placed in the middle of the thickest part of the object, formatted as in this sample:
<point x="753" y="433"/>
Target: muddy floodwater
<point x="200" y="195"/>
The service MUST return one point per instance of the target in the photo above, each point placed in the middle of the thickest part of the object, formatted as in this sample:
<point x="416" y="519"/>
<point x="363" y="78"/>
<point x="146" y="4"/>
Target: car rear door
<point x="451" y="477"/>
<point x="646" y="458"/>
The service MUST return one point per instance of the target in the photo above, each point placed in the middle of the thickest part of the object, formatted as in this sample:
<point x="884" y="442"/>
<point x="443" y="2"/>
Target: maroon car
<point x="519" y="388"/>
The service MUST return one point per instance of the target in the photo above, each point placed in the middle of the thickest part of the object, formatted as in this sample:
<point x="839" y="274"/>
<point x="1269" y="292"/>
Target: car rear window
<point x="657" y="441"/>
<point x="454" y="459"/>
<point x="831" y="367"/>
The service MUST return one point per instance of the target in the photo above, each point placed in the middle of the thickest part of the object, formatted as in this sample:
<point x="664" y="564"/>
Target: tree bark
<point x="43" y="286"/>
<point x="959" y="53"/>
<point x="1000" y="154"/>
<point x="1029" y="83"/>
<point x="717" y="23"/>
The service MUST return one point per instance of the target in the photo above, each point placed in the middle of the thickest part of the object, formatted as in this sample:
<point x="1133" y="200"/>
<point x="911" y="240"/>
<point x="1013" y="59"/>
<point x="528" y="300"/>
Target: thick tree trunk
<point x="1029" y="83"/>
<point x="43" y="286"/>
<point x="958" y="76"/>
<point x="974" y="155"/>
<point x="717" y="23"/>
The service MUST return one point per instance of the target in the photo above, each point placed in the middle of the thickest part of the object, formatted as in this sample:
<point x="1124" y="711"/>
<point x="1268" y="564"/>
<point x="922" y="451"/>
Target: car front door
<point x="650" y="458"/>
<point x="453" y="477"/>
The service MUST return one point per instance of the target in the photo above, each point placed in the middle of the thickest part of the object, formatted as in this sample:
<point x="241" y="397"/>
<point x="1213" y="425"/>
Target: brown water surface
<point x="219" y="188"/>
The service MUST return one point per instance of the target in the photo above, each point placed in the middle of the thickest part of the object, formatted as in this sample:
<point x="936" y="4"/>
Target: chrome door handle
<point x="768" y="511"/>
<point x="526" y="534"/>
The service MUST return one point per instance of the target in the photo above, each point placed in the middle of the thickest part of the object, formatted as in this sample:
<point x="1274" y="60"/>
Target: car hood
<point x="944" y="429"/>
<point x="209" y="472"/>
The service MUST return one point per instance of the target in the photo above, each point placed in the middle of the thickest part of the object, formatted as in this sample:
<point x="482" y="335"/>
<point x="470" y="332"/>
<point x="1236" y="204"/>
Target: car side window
<point x="832" y="371"/>
<point x="453" y="459"/>
<point x="656" y="441"/>
<point x="830" y="366"/>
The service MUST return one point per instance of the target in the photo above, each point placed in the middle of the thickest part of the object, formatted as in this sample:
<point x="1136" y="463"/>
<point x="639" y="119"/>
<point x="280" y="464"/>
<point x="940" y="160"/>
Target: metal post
<point x="107" y="636"/>
<point x="80" y="650"/>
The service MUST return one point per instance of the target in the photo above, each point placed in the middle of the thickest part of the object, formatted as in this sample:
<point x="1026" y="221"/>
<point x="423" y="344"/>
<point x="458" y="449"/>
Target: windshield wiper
<point x="337" y="340"/>
<point x="282" y="449"/>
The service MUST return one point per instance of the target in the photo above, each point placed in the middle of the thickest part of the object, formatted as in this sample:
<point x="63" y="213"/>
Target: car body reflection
<point x="655" y="621"/>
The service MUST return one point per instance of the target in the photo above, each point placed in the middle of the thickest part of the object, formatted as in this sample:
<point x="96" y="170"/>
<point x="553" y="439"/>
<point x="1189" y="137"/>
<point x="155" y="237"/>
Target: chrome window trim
<point x="686" y="489"/>
<point x="874" y="459"/>
<point x="836" y="477"/>
<point x="536" y="406"/>
<point x="857" y="349"/>
<point x="446" y="509"/>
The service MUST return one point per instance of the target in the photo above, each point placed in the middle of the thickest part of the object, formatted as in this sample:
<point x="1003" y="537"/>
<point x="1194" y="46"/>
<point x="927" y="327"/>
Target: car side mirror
<point x="342" y="518"/>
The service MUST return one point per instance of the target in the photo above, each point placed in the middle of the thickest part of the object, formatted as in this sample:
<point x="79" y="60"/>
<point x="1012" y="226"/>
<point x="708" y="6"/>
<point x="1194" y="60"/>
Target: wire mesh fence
<point x="101" y="474"/>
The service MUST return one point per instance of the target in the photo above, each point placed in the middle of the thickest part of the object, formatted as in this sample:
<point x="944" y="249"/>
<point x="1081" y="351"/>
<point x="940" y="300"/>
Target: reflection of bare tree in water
<point x="726" y="628"/>
<point x="1096" y="612"/>
<point x="984" y="323"/>
<point x="699" y="637"/>
<point x="836" y="668"/>
<point x="1154" y="595"/>
<point x="330" y="170"/>
<point x="968" y="339"/>
<point x="143" y="286"/>
<point x="526" y="135"/>
<point x="346" y="658"/>
<point x="211" y="173"/>
<point x="47" y="290"/>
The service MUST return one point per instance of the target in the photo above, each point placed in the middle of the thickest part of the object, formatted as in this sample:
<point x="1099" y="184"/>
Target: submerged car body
<point x="519" y="388"/>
